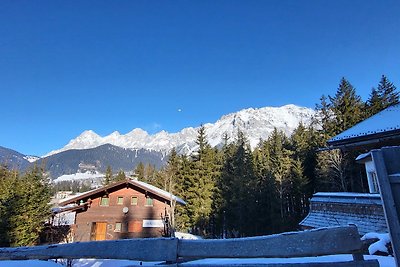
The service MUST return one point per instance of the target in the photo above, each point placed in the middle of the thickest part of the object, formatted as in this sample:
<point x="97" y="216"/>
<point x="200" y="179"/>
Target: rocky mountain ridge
<point x="256" y="123"/>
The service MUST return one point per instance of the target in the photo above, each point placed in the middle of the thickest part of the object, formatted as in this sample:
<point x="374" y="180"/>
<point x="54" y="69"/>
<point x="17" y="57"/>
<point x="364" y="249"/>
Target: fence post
<point x="387" y="167"/>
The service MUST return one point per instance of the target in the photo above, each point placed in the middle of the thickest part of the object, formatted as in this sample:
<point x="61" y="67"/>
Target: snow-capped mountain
<point x="255" y="123"/>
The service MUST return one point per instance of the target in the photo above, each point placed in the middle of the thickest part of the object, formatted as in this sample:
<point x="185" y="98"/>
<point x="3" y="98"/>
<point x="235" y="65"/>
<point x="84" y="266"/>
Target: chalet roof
<point x="138" y="184"/>
<point x="382" y="126"/>
<point x="341" y="209"/>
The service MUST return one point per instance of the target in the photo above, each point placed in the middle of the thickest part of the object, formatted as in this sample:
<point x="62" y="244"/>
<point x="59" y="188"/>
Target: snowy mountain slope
<point x="255" y="123"/>
<point x="100" y="157"/>
<point x="31" y="159"/>
<point x="13" y="159"/>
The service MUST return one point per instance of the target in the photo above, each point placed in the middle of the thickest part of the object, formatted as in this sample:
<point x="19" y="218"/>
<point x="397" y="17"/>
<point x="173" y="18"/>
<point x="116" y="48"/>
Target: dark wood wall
<point x="131" y="222"/>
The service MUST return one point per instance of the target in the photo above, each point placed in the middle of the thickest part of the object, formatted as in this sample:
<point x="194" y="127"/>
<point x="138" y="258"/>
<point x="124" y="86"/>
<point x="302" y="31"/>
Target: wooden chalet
<point x="126" y="209"/>
<point x="364" y="210"/>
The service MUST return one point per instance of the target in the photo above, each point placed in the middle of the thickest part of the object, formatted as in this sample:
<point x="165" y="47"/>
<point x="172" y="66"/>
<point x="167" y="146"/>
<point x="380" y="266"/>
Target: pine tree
<point x="237" y="185"/>
<point x="224" y="190"/>
<point x="150" y="173"/>
<point x="347" y="107"/>
<point x="280" y="165"/>
<point x="374" y="103"/>
<point x="139" y="171"/>
<point x="120" y="176"/>
<point x="200" y="185"/>
<point x="382" y="97"/>
<point x="32" y="208"/>
<point x="297" y="195"/>
<point x="182" y="220"/>
<point x="8" y="186"/>
<point x="304" y="142"/>
<point x="267" y="197"/>
<point x="325" y="118"/>
<point x="387" y="92"/>
<point x="108" y="177"/>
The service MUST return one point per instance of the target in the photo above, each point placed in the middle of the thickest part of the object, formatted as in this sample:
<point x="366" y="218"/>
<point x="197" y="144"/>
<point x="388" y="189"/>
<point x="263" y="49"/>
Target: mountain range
<point x="255" y="123"/>
<point x="125" y="151"/>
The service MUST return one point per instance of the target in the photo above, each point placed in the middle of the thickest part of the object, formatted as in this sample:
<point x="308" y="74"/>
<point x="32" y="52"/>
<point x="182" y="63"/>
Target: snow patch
<point x="380" y="245"/>
<point x="31" y="159"/>
<point x="79" y="176"/>
<point x="186" y="236"/>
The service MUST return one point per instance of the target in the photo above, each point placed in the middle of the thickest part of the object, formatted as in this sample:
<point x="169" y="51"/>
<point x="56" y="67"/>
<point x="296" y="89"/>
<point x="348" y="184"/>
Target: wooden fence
<point x="174" y="252"/>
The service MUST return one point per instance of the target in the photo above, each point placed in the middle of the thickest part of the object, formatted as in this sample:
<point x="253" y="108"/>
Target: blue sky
<point x="70" y="66"/>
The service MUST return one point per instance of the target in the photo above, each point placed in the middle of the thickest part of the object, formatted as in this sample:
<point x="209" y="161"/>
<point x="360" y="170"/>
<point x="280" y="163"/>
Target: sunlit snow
<point x="255" y="123"/>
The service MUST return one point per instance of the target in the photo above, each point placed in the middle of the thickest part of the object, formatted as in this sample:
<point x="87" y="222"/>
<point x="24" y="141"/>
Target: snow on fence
<point x="173" y="251"/>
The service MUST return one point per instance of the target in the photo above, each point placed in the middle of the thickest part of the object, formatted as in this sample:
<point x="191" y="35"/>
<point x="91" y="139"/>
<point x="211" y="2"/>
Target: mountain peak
<point x="88" y="133"/>
<point x="256" y="123"/>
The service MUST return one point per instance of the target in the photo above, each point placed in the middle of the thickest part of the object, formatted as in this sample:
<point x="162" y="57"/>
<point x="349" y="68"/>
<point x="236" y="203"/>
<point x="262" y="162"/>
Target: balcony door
<point x="99" y="230"/>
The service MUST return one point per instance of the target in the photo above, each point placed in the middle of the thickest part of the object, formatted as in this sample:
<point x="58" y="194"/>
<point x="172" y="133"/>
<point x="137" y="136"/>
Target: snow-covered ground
<point x="80" y="177"/>
<point x="383" y="261"/>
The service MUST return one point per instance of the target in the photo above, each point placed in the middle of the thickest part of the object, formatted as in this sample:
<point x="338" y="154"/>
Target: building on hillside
<point x="82" y="167"/>
<point x="125" y="209"/>
<point x="363" y="210"/>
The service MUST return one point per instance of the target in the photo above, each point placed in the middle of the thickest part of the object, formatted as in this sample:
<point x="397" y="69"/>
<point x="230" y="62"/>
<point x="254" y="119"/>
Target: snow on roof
<point x="363" y="156"/>
<point x="347" y="197"/>
<point x="161" y="192"/>
<point x="329" y="209"/>
<point x="140" y="184"/>
<point x="384" y="121"/>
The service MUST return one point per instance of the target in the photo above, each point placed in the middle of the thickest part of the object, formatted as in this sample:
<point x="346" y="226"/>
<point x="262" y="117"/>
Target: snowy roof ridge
<point x="385" y="121"/>
<point x="155" y="190"/>
<point x="161" y="191"/>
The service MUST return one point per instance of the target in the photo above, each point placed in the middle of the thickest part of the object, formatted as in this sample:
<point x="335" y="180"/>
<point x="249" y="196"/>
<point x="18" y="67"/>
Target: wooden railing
<point x="172" y="251"/>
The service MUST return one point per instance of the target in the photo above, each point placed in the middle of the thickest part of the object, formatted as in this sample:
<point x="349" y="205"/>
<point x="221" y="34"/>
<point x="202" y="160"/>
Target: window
<point x="120" y="201"/>
<point x="118" y="227"/>
<point x="134" y="201"/>
<point x="149" y="201"/>
<point x="373" y="182"/>
<point x="104" y="201"/>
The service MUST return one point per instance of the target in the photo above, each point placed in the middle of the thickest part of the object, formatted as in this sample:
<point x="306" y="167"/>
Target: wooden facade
<point x="127" y="209"/>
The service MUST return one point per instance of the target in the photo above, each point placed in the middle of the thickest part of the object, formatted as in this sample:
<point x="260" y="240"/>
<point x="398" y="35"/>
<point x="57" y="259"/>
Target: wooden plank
<point x="368" y="263"/>
<point x="389" y="205"/>
<point x="394" y="178"/>
<point x="325" y="241"/>
<point x="151" y="249"/>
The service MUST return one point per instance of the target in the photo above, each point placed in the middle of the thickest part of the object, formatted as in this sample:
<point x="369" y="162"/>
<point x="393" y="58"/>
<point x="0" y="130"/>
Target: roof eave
<point x="364" y="140"/>
<point x="106" y="188"/>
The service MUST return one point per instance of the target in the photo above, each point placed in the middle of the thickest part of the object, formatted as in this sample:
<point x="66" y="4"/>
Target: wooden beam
<point x="151" y="249"/>
<point x="368" y="263"/>
<point x="325" y="241"/>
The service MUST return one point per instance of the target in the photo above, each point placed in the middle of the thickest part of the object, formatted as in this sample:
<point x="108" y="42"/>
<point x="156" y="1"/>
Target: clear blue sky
<point x="70" y="66"/>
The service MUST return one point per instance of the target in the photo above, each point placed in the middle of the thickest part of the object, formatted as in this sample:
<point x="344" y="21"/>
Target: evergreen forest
<point x="232" y="190"/>
<point x="236" y="191"/>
